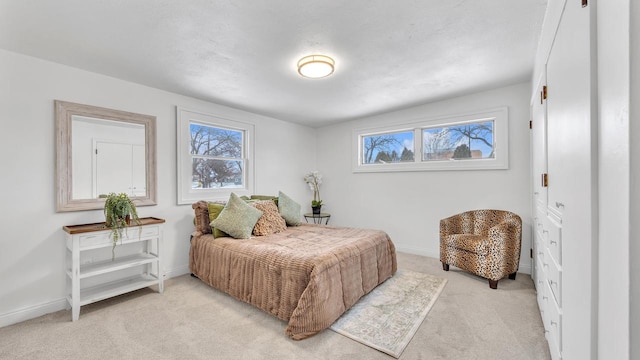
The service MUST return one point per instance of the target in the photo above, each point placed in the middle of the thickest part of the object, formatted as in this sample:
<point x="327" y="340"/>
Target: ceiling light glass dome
<point x="316" y="66"/>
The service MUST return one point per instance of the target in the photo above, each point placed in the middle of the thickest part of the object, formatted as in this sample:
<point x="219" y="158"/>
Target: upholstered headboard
<point x="201" y="221"/>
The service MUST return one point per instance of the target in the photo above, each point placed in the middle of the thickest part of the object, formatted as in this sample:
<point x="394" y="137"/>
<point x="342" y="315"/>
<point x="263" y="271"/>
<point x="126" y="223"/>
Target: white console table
<point x="81" y="238"/>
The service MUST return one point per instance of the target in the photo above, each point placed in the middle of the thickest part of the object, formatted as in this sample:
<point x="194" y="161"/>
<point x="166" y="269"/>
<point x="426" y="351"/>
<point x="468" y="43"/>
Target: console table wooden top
<point x="85" y="228"/>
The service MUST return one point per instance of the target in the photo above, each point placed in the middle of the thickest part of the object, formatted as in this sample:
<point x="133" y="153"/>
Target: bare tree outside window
<point x="477" y="132"/>
<point x="216" y="157"/>
<point x="473" y="140"/>
<point x="436" y="143"/>
<point x="387" y="148"/>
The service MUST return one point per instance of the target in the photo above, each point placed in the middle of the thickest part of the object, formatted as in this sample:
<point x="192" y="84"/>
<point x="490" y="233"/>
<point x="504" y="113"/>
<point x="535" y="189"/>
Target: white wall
<point x="409" y="205"/>
<point x="32" y="251"/>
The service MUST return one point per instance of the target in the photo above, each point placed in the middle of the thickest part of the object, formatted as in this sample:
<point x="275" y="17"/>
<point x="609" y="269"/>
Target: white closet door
<point x="539" y="146"/>
<point x="569" y="122"/>
<point x="538" y="170"/>
<point x="139" y="176"/>
<point x="571" y="127"/>
<point x="113" y="168"/>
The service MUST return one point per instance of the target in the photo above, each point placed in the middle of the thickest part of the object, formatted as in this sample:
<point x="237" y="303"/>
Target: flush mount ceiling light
<point x="315" y="66"/>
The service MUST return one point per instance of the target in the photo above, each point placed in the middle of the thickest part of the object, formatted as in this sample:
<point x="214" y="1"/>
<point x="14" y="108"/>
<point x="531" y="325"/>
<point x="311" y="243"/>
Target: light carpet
<point x="191" y="320"/>
<point x="387" y="318"/>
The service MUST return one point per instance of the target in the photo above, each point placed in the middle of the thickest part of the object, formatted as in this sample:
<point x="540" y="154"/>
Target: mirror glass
<point x="107" y="156"/>
<point x="102" y="151"/>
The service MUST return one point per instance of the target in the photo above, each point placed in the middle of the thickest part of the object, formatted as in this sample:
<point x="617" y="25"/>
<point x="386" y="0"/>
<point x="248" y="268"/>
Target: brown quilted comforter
<point x="307" y="275"/>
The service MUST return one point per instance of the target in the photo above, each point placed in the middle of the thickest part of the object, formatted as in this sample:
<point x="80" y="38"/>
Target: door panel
<point x="539" y="145"/>
<point x="113" y="168"/>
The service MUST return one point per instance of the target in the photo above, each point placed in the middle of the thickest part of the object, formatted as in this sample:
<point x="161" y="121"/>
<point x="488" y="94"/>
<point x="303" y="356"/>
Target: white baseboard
<point x="421" y="252"/>
<point x="525" y="268"/>
<point x="31" y="312"/>
<point x="178" y="271"/>
<point x="35" y="311"/>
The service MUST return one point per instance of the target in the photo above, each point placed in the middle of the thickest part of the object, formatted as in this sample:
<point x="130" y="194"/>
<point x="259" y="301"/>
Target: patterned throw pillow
<point x="289" y="209"/>
<point x="237" y="218"/>
<point x="271" y="222"/>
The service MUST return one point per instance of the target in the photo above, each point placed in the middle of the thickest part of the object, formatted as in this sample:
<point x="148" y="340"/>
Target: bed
<point x="307" y="275"/>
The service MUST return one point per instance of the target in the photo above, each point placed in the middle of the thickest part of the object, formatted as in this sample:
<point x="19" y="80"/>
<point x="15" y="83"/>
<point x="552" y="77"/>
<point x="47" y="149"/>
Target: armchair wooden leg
<point x="445" y="267"/>
<point x="512" y="276"/>
<point x="493" y="284"/>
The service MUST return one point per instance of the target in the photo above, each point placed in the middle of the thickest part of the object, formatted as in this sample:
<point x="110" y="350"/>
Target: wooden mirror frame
<point x="64" y="112"/>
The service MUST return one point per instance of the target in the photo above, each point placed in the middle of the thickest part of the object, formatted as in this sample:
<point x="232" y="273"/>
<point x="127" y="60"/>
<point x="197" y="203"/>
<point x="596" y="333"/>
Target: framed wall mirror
<point x="100" y="151"/>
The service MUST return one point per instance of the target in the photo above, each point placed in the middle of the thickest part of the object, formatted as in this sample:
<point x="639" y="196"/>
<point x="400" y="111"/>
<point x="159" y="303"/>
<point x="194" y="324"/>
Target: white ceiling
<point x="389" y="54"/>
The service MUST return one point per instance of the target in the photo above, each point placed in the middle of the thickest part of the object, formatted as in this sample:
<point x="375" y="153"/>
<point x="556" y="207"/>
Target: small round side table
<point x="317" y="218"/>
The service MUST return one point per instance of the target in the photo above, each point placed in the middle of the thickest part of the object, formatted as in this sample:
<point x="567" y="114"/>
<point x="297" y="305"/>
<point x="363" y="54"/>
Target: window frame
<point x="500" y="139"/>
<point x="187" y="195"/>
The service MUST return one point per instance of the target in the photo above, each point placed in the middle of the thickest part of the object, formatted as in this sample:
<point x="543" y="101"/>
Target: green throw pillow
<point x="214" y="212"/>
<point x="289" y="209"/>
<point x="237" y="218"/>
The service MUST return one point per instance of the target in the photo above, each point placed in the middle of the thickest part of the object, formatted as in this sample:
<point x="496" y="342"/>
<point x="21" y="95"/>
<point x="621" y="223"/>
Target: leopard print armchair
<point x="483" y="242"/>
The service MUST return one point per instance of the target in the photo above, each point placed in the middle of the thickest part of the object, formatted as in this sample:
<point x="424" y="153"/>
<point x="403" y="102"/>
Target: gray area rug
<point x="387" y="318"/>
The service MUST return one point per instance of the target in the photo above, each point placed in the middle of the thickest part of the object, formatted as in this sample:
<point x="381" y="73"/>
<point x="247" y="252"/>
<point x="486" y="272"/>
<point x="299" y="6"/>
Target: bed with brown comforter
<point x="307" y="275"/>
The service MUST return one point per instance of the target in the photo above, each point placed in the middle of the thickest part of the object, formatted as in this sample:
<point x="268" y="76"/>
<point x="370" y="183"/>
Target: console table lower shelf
<point x="114" y="288"/>
<point x="81" y="238"/>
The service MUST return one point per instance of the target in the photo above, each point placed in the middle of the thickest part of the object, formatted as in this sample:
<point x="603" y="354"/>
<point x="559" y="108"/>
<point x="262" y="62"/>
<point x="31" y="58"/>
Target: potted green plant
<point x="119" y="211"/>
<point x="314" y="179"/>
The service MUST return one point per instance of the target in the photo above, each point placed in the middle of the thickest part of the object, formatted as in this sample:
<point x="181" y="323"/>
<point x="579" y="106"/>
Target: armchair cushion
<point x="476" y="244"/>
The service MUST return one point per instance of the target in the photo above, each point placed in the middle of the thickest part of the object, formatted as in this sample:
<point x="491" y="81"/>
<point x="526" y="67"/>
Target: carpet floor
<point x="193" y="321"/>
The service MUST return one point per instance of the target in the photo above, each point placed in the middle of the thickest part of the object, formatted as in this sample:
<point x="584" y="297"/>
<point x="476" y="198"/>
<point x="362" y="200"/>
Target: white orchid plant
<point x="314" y="179"/>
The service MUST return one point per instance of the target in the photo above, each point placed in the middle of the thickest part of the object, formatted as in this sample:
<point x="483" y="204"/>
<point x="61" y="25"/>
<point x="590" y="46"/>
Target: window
<point x="469" y="140"/>
<point x="214" y="157"/>
<point x="461" y="142"/>
<point x="387" y="148"/>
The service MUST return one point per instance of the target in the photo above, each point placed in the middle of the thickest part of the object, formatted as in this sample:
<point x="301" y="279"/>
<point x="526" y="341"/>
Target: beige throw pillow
<point x="271" y="222"/>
